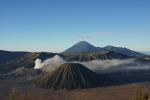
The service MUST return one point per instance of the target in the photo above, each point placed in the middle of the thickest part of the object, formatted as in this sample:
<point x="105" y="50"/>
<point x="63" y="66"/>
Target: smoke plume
<point x="49" y="64"/>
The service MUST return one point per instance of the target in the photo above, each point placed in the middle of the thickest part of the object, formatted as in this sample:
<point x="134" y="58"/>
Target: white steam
<point x="106" y="64"/>
<point x="49" y="64"/>
<point x="38" y="64"/>
<point x="96" y="65"/>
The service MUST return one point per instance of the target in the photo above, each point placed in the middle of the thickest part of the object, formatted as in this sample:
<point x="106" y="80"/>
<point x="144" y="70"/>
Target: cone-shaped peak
<point x="83" y="43"/>
<point x="81" y="46"/>
<point x="70" y="76"/>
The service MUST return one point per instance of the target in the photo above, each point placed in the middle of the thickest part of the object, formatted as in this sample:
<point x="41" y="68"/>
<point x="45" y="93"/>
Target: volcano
<point x="71" y="76"/>
<point x="84" y="47"/>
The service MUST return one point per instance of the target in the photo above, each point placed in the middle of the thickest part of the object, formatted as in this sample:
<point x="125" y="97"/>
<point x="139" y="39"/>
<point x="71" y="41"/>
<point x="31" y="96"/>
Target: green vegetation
<point x="13" y="94"/>
<point x="139" y="95"/>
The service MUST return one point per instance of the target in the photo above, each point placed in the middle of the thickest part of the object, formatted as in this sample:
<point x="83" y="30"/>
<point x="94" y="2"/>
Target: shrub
<point x="139" y="95"/>
<point x="13" y="94"/>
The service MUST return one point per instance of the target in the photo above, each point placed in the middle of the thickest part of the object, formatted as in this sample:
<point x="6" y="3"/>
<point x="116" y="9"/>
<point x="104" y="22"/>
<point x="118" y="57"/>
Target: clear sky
<point x="54" y="25"/>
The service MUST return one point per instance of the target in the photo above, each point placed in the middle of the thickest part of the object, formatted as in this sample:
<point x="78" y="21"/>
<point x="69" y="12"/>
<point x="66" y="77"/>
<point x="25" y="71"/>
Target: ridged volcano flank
<point x="70" y="76"/>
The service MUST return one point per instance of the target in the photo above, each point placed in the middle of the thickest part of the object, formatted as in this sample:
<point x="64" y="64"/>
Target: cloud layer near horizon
<point x="51" y="64"/>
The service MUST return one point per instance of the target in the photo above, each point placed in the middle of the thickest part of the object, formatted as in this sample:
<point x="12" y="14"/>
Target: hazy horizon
<point x="53" y="26"/>
<point x="145" y="52"/>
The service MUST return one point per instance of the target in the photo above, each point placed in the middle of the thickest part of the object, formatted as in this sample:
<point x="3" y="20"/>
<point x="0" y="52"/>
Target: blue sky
<point x="54" y="25"/>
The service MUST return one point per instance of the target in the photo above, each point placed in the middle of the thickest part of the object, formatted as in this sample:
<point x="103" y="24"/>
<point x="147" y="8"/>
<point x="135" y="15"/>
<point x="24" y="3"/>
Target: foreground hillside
<point x="123" y="89"/>
<point x="121" y="92"/>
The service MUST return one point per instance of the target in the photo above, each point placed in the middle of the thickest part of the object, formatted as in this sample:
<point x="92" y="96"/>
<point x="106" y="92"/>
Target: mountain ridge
<point x="6" y="56"/>
<point x="83" y="46"/>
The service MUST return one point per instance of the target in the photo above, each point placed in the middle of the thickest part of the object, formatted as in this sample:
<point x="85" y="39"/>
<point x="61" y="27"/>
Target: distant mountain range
<point x="6" y="56"/>
<point x="26" y="60"/>
<point x="146" y="52"/>
<point x="82" y="51"/>
<point x="85" y="47"/>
